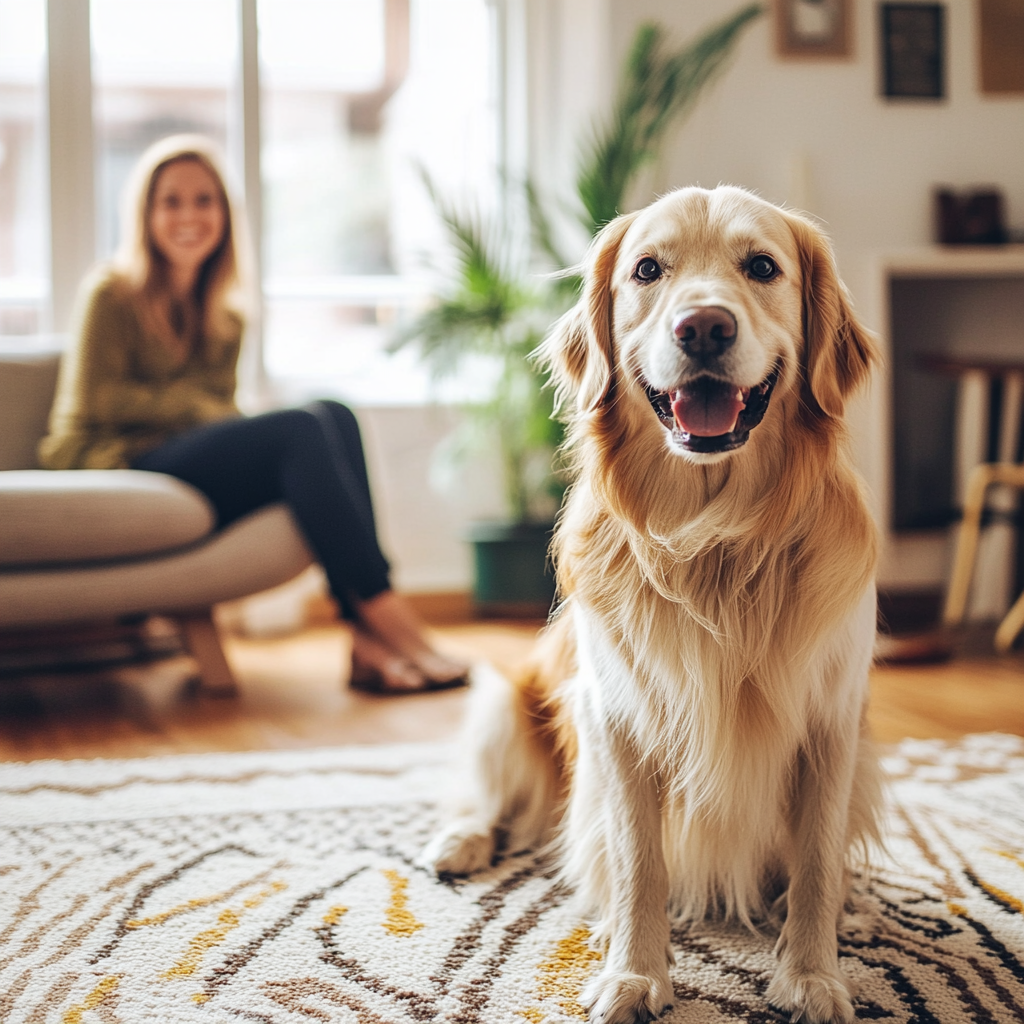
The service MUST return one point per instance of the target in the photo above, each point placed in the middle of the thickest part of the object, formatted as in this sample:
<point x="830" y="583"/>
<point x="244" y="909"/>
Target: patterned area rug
<point x="280" y="888"/>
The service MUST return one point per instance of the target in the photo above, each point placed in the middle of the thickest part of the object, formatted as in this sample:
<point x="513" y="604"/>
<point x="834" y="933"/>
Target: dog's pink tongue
<point x="707" y="408"/>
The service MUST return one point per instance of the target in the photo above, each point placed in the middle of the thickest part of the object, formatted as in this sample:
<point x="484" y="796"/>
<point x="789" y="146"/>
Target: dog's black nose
<point x="705" y="330"/>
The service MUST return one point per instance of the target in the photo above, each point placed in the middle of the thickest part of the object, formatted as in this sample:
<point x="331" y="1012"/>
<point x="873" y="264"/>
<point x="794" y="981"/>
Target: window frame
<point x="72" y="150"/>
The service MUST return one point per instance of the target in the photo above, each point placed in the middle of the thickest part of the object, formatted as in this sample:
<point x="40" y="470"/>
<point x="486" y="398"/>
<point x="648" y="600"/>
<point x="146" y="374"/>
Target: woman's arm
<point x="108" y="389"/>
<point x="104" y="401"/>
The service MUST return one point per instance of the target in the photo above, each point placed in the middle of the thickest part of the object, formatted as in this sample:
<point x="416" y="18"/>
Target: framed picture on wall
<point x="1001" y="39"/>
<point x="813" y="28"/>
<point x="913" y="51"/>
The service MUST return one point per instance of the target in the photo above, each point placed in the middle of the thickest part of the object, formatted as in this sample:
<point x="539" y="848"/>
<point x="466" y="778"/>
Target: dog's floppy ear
<point x="839" y="352"/>
<point x="578" y="351"/>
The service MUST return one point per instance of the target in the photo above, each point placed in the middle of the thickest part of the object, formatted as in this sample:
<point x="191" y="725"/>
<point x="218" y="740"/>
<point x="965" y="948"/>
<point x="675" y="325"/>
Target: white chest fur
<point x="725" y="752"/>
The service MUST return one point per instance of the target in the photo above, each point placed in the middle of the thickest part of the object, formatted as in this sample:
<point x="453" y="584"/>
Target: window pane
<point x="159" y="67"/>
<point x="357" y="96"/>
<point x="24" y="224"/>
<point x="325" y="188"/>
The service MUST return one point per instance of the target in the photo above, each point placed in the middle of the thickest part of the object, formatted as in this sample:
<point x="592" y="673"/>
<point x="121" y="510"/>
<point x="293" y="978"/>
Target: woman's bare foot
<point x="378" y="669"/>
<point x="393" y="622"/>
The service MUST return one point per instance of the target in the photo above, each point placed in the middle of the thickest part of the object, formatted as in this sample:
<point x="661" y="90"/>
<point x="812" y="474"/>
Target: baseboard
<point x="899" y="611"/>
<point x="436" y="608"/>
<point x="443" y="607"/>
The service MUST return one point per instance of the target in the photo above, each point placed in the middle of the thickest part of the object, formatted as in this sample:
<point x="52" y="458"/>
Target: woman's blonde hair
<point x="223" y="283"/>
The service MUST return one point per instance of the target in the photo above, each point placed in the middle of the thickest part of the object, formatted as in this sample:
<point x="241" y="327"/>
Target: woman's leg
<point x="340" y="423"/>
<point x="387" y="614"/>
<point x="294" y="456"/>
<point x="313" y="459"/>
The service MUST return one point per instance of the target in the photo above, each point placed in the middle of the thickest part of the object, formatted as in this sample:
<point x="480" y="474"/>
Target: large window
<point x="24" y="277"/>
<point x="356" y="97"/>
<point x="158" y="67"/>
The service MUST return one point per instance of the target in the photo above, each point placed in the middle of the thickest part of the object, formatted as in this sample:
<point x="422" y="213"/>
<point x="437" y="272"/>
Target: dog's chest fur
<point x="719" y="671"/>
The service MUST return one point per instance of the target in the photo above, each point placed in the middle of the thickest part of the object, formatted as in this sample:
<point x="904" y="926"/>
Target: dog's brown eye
<point x="764" y="268"/>
<point x="647" y="270"/>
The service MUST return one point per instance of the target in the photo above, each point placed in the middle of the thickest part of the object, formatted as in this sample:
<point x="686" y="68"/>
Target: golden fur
<point x="691" y="725"/>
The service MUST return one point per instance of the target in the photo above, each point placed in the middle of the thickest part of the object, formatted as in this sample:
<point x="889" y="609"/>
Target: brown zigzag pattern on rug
<point x="317" y="913"/>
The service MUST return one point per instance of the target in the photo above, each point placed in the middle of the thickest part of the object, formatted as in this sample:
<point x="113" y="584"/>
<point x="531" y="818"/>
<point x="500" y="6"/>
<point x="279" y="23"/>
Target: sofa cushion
<point x="88" y="515"/>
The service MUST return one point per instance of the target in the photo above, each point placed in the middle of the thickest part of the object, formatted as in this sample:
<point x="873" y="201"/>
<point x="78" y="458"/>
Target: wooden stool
<point x="983" y="477"/>
<point x="974" y="475"/>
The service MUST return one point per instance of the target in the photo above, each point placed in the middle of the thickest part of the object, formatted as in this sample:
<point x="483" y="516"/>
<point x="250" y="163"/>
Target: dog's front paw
<point x="811" y="997"/>
<point x="459" y="849"/>
<point x="618" y="997"/>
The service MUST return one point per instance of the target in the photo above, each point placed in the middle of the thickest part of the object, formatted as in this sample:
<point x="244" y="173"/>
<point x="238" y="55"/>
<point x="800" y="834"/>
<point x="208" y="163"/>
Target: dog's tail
<point x="518" y="744"/>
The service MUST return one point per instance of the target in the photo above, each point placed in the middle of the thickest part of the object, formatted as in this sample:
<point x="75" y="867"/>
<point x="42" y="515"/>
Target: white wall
<point x="817" y="135"/>
<point x="872" y="162"/>
<point x="424" y="502"/>
<point x="813" y="134"/>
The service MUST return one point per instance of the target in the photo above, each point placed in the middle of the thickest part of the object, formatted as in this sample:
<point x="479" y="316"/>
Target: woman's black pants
<point x="311" y="459"/>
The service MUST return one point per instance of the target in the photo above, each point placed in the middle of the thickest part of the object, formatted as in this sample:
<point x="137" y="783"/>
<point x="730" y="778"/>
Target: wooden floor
<point x="292" y="695"/>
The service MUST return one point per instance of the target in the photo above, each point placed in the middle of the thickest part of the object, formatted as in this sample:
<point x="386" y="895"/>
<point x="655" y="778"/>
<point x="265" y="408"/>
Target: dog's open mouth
<point x="711" y="415"/>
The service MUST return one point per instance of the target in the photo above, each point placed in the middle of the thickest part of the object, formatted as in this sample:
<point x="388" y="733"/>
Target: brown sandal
<point x="367" y="679"/>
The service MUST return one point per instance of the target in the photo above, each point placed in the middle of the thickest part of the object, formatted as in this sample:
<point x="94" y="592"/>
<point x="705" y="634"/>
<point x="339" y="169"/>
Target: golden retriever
<point x="692" y="726"/>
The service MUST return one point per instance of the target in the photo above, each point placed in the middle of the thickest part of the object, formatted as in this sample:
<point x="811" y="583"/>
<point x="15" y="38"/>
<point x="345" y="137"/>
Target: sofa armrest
<point x="61" y="517"/>
<point x="28" y="380"/>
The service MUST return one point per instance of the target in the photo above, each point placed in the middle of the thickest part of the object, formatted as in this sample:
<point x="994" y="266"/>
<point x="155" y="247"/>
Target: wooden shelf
<point x="955" y="261"/>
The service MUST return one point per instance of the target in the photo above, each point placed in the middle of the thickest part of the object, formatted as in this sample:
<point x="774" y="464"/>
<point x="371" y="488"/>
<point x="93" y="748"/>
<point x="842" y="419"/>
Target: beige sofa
<point x="87" y="546"/>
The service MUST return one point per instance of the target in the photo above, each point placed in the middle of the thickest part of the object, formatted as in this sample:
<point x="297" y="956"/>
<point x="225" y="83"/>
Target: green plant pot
<point x="513" y="575"/>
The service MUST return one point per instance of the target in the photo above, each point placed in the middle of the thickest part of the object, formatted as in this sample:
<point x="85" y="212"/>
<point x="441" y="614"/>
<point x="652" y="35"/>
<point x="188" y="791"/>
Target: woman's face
<point x="187" y="218"/>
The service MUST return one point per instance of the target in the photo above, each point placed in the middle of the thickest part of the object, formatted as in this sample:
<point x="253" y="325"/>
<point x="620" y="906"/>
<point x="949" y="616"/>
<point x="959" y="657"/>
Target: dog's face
<point x="707" y="314"/>
<point x="716" y="302"/>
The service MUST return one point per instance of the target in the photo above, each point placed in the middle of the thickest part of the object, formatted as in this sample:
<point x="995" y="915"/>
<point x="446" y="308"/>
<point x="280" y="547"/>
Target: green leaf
<point x="656" y="90"/>
<point x="491" y="307"/>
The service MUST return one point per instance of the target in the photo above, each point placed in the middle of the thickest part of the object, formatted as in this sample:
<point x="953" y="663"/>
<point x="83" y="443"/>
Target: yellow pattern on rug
<point x="334" y="915"/>
<point x="92" y="1000"/>
<point x="561" y="975"/>
<point x="227" y="921"/>
<point x="195" y="904"/>
<point x="398" y="919"/>
<point x="1002" y="896"/>
<point x="1010" y="856"/>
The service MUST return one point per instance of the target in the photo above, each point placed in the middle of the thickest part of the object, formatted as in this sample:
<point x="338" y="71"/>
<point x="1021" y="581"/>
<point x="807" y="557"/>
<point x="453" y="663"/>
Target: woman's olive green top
<point x="121" y="391"/>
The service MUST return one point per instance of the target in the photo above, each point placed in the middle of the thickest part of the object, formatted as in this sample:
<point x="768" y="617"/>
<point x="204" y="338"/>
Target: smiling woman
<point x="149" y="384"/>
<point x="159" y="328"/>
<point x="187" y="220"/>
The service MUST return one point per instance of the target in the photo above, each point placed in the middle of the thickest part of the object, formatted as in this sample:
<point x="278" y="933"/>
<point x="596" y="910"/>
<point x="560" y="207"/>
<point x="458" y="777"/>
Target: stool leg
<point x="967" y="546"/>
<point x="204" y="645"/>
<point x="971" y="426"/>
<point x="1010" y="475"/>
<point x="995" y="561"/>
<point x="1010" y="627"/>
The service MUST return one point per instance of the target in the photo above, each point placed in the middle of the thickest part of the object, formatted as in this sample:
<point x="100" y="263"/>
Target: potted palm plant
<point x="499" y="307"/>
